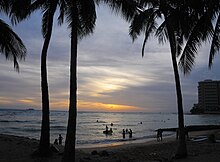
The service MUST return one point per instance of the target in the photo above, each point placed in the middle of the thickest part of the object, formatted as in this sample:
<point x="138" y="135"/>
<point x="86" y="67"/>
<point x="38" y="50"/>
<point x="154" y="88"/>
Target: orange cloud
<point x="59" y="104"/>
<point x="26" y="100"/>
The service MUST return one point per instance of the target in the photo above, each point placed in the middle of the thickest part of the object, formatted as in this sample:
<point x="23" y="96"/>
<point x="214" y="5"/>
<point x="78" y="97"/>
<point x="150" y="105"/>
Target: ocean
<point x="90" y="125"/>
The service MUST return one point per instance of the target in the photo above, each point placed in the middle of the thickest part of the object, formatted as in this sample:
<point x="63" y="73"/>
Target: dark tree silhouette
<point x="19" y="13"/>
<point x="81" y="17"/>
<point x="176" y="24"/>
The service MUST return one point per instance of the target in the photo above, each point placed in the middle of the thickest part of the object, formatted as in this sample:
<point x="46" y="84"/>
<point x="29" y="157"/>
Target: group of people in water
<point x="127" y="132"/>
<point x="59" y="140"/>
<point x="108" y="131"/>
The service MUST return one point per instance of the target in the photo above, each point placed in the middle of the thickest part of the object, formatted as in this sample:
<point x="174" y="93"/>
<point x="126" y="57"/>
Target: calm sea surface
<point x="89" y="131"/>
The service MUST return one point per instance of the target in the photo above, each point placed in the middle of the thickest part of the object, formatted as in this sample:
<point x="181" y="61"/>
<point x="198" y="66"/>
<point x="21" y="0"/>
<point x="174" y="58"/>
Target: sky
<point x="112" y="75"/>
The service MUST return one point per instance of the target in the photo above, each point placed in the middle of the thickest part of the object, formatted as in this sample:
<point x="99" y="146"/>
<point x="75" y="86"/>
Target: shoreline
<point x="19" y="149"/>
<point x="126" y="142"/>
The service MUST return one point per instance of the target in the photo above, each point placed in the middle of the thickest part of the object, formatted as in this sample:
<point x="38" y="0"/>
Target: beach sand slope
<point x="19" y="149"/>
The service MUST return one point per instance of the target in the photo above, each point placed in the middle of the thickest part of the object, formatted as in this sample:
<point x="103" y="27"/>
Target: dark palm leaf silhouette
<point x="10" y="44"/>
<point x="206" y="27"/>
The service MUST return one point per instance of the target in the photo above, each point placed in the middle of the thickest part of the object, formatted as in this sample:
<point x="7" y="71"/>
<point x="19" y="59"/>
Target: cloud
<point x="112" y="75"/>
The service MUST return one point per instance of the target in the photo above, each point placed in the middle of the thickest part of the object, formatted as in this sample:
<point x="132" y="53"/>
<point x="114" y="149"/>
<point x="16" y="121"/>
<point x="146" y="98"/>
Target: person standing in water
<point x="60" y="138"/>
<point x="130" y="133"/>
<point x="106" y="128"/>
<point x="123" y="133"/>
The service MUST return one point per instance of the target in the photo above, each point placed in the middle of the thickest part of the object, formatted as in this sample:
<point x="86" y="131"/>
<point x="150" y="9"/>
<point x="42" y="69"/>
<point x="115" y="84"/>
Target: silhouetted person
<point x="60" y="139"/>
<point x="106" y="128"/>
<point x="123" y="133"/>
<point x="186" y="132"/>
<point x="126" y="130"/>
<point x="111" y="124"/>
<point x="159" y="135"/>
<point x="130" y="133"/>
<point x="55" y="142"/>
<point x="110" y="130"/>
<point x="177" y="133"/>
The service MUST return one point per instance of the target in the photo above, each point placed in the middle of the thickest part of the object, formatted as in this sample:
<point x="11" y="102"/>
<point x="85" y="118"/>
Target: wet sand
<point x="19" y="149"/>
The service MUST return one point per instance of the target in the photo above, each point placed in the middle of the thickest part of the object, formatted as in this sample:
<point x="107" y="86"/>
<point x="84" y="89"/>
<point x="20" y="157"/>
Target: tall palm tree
<point x="10" y="44"/>
<point x="204" y="16"/>
<point x="49" y="8"/>
<point x="175" y="26"/>
<point x="81" y="17"/>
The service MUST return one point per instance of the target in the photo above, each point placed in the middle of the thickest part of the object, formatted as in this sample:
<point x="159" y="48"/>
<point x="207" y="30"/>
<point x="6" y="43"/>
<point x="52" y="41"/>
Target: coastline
<point x="19" y="149"/>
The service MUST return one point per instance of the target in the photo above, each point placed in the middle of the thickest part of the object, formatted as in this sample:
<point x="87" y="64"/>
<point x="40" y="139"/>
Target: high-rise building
<point x="209" y="95"/>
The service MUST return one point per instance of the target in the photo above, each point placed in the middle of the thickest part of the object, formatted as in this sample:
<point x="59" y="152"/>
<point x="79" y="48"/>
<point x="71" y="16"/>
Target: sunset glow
<point x="83" y="105"/>
<point x="111" y="74"/>
<point x="26" y="101"/>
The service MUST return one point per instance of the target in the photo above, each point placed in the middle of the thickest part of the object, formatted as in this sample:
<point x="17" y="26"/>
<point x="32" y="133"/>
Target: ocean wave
<point x="58" y="127"/>
<point x="13" y="121"/>
<point x="32" y="130"/>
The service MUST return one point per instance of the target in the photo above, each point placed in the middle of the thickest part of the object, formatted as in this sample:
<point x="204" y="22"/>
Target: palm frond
<point x="84" y="12"/>
<point x="62" y="7"/>
<point x="49" y="11"/>
<point x="19" y="10"/>
<point x="126" y="8"/>
<point x="45" y="19"/>
<point x="215" y="45"/>
<point x="11" y="45"/>
<point x="148" y="3"/>
<point x="4" y="6"/>
<point x="86" y="17"/>
<point x="202" y="30"/>
<point x="161" y="32"/>
<point x="139" y="23"/>
<point x="38" y="4"/>
<point x="150" y="28"/>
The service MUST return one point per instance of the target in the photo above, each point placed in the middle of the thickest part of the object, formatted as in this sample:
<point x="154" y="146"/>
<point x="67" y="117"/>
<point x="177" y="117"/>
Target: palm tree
<point x="49" y="8"/>
<point x="175" y="26"/>
<point x="10" y="44"/>
<point x="81" y="17"/>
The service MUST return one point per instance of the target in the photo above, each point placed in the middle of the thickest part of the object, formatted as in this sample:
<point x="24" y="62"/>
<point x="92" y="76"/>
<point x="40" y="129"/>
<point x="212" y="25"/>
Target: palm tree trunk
<point x="181" y="149"/>
<point x="44" y="146"/>
<point x="69" y="150"/>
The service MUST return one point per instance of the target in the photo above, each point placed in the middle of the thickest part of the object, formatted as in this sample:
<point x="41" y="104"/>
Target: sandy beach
<point x="19" y="149"/>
